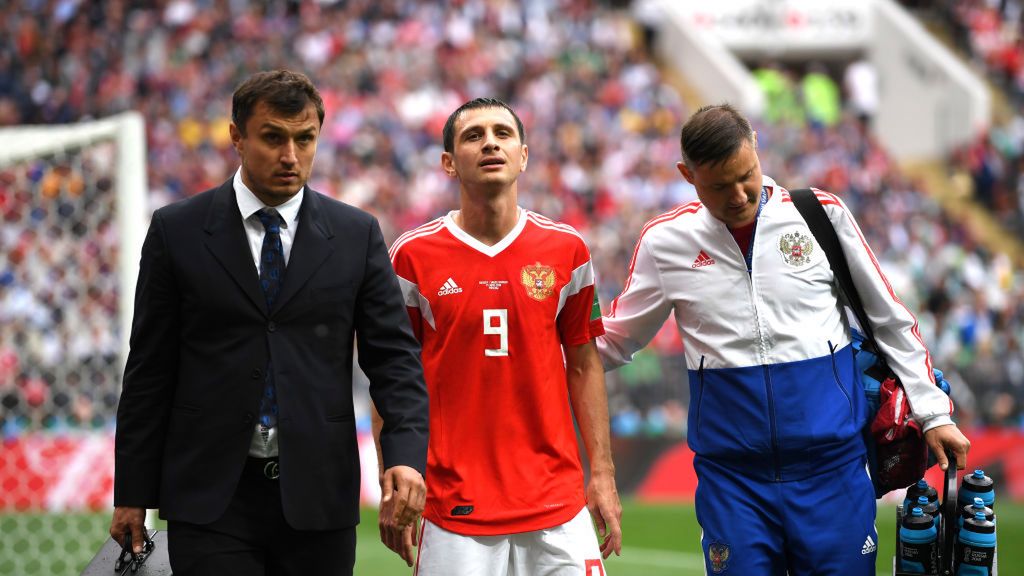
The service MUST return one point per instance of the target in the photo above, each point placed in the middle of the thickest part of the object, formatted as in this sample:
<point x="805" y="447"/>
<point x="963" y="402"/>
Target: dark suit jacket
<point x="201" y="336"/>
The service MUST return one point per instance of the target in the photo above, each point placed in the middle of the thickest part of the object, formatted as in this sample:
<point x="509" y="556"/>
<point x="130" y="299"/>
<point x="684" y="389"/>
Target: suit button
<point x="271" y="327"/>
<point x="257" y="373"/>
<point x="247" y="419"/>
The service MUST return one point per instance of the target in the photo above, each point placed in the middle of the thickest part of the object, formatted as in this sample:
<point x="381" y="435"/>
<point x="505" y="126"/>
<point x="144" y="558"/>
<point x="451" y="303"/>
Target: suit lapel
<point x="227" y="242"/>
<point x="310" y="248"/>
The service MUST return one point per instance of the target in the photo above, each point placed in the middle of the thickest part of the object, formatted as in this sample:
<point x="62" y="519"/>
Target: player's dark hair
<point x="449" y="126"/>
<point x="285" y="92"/>
<point x="713" y="134"/>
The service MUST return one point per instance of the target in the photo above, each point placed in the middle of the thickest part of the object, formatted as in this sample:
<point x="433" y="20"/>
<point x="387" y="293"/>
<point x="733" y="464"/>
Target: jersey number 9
<point x="496" y="322"/>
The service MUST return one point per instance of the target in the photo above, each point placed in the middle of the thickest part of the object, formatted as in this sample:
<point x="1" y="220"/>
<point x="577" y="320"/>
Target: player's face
<point x="731" y="190"/>
<point x="277" y="152"/>
<point x="488" y="153"/>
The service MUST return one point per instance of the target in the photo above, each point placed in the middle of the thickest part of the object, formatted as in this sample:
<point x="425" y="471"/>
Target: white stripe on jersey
<point x="582" y="277"/>
<point x="424" y="230"/>
<point x="413" y="299"/>
<point x="549" y="224"/>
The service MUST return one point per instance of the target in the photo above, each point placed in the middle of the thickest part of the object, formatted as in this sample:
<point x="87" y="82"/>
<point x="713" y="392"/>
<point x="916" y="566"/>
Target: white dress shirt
<point x="264" y="440"/>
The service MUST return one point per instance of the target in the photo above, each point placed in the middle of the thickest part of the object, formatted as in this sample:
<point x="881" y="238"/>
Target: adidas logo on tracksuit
<point x="869" y="546"/>
<point x="702" y="260"/>
<point x="450" y="287"/>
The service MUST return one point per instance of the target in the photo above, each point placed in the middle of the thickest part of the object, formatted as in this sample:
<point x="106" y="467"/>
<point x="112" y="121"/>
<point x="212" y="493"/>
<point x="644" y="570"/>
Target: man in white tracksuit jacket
<point x="776" y="408"/>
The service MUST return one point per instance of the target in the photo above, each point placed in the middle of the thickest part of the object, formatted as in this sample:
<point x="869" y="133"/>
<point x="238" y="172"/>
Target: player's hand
<point x="404" y="489"/>
<point x="129" y="519"/>
<point x="399" y="540"/>
<point x="948" y="437"/>
<point x="403" y="495"/>
<point x="605" y="509"/>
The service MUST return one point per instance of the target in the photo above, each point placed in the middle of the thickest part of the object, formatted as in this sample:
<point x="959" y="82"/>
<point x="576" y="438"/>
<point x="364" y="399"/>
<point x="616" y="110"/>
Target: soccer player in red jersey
<point x="503" y="301"/>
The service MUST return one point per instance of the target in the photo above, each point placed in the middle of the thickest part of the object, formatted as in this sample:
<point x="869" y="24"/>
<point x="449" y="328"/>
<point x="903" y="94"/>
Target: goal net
<point x="73" y="214"/>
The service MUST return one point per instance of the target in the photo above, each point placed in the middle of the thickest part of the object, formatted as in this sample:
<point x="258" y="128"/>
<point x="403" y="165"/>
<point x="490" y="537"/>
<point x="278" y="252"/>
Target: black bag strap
<point x="821" y="227"/>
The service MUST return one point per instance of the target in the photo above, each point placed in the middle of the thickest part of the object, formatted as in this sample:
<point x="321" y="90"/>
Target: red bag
<point x="902" y="453"/>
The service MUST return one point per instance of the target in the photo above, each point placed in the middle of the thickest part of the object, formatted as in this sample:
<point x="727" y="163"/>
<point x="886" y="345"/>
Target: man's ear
<point x="448" y="164"/>
<point x="526" y="157"/>
<point x="685" y="171"/>
<point x="236" y="137"/>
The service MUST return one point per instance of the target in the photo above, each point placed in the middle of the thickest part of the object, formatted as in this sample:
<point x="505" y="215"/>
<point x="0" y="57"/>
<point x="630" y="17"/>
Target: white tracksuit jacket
<point x="773" y="385"/>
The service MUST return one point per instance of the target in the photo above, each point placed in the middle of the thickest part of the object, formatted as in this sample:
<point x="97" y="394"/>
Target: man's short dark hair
<point x="713" y="135"/>
<point x="285" y="92"/>
<point x="449" y="126"/>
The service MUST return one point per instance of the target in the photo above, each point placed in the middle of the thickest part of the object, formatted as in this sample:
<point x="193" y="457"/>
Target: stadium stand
<point x="990" y="35"/>
<point x="602" y="125"/>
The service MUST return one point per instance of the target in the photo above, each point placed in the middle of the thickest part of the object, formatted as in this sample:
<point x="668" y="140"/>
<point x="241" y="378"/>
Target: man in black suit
<point x="236" y="416"/>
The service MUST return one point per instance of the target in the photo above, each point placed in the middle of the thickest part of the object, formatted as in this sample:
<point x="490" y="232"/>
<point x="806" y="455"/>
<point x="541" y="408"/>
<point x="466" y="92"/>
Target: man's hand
<point x="948" y="437"/>
<point x="403" y="495"/>
<point x="605" y="509"/>
<point x="128" y="519"/>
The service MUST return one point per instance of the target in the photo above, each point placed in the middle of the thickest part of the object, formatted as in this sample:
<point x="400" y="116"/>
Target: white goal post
<point x="127" y="130"/>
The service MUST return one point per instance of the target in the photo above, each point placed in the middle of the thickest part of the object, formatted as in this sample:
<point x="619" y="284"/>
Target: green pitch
<point x="659" y="540"/>
<point x="663" y="540"/>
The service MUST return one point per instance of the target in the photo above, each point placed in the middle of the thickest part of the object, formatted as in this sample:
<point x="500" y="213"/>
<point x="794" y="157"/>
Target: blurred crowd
<point x="602" y="124"/>
<point x="991" y="34"/>
<point x="59" y="348"/>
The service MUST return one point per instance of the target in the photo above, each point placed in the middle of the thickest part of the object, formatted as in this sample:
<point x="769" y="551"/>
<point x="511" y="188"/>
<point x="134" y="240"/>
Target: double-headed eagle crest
<point x="796" y="248"/>
<point x="718" y="554"/>
<point x="539" y="280"/>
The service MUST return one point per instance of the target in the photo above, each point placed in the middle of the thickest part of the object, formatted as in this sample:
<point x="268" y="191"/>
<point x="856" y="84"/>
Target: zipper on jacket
<point x="761" y="348"/>
<point x="763" y="359"/>
<point x="771" y="423"/>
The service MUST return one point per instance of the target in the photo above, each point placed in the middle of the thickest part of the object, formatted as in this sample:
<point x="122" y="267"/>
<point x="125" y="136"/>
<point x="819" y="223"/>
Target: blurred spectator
<point x="860" y="83"/>
<point x="821" y="96"/>
<point x="781" y="96"/>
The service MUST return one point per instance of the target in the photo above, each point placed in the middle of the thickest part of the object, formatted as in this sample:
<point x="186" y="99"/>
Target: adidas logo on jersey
<point x="450" y="287"/>
<point x="869" y="546"/>
<point x="703" y="260"/>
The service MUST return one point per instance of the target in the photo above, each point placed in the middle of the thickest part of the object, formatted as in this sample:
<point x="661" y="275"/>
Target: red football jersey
<point x="492" y="321"/>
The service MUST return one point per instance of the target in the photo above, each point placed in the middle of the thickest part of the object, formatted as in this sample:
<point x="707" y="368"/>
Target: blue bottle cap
<point x="979" y="503"/>
<point x="918" y="512"/>
<point x="979" y="473"/>
<point x="922" y="484"/>
<point x="922" y="500"/>
<point x="979" y="516"/>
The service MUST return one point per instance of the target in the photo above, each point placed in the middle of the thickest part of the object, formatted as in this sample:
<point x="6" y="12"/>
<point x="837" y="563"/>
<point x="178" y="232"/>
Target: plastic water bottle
<point x="930" y="509"/>
<point x="976" y="485"/>
<point x="940" y="381"/>
<point x="916" y="490"/>
<point x="975" y="547"/>
<point x="918" y="553"/>
<point x="969" y="512"/>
